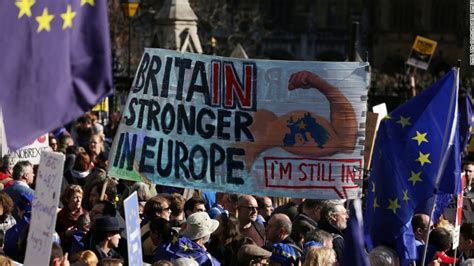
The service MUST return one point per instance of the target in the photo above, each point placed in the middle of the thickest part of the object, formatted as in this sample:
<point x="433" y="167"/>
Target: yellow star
<point x="67" y="17"/>
<point x="423" y="158"/>
<point x="175" y="239"/>
<point x="415" y="177"/>
<point x="90" y="2"/>
<point x="302" y="125"/>
<point x="375" y="204"/>
<point x="25" y="7"/>
<point x="185" y="247"/>
<point x="405" y="196"/>
<point x="44" y="21"/>
<point x="393" y="205"/>
<point x="373" y="187"/>
<point x="404" y="121"/>
<point x="387" y="117"/>
<point x="420" y="137"/>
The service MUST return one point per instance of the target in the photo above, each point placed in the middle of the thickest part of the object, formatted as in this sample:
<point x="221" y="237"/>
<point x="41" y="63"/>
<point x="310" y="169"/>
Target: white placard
<point x="32" y="152"/>
<point x="380" y="109"/>
<point x="44" y="208"/>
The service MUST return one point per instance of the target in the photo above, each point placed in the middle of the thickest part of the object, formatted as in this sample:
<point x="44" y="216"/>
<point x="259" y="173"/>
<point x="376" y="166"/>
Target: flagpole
<point x="442" y="160"/>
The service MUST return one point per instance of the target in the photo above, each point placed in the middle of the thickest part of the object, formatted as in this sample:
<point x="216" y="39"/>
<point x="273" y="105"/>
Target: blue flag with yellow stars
<point x="415" y="157"/>
<point x="56" y="64"/>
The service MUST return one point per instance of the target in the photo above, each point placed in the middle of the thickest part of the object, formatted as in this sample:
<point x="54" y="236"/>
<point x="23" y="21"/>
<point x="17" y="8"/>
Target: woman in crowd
<point x="320" y="257"/>
<point x="71" y="198"/>
<point x="227" y="240"/>
<point x="6" y="207"/>
<point x="80" y="169"/>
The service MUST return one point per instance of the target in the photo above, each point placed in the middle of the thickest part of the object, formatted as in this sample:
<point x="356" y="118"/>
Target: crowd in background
<point x="188" y="227"/>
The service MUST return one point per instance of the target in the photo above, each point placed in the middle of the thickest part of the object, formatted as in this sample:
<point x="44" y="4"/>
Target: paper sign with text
<point x="44" y="208"/>
<point x="32" y="152"/>
<point x="132" y="219"/>
<point x="277" y="128"/>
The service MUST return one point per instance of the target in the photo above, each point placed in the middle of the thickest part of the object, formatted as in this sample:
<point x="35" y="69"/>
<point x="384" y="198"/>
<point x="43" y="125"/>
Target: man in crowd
<point x="265" y="208"/>
<point x="248" y="210"/>
<point x="278" y="230"/>
<point x="466" y="241"/>
<point x="156" y="207"/>
<point x="23" y="176"/>
<point x="421" y="227"/>
<point x="334" y="218"/>
<point x="106" y="237"/>
<point x="193" y="205"/>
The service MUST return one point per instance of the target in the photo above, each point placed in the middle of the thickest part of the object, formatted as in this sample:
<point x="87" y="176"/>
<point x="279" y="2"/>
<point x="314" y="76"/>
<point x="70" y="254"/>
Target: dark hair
<point x="163" y="228"/>
<point x="440" y="238"/>
<point x="317" y="235"/>
<point x="176" y="203"/>
<point x="7" y="203"/>
<point x="109" y="208"/>
<point x="110" y="190"/>
<point x="190" y="203"/>
<point x="83" y="161"/>
<point x="417" y="221"/>
<point x="313" y="203"/>
<point x="467" y="231"/>
<point x="299" y="229"/>
<point x="56" y="253"/>
<point x="230" y="229"/>
<point x="154" y="205"/>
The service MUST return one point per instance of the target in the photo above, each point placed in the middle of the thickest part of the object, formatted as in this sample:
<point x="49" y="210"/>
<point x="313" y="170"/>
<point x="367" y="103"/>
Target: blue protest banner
<point x="132" y="220"/>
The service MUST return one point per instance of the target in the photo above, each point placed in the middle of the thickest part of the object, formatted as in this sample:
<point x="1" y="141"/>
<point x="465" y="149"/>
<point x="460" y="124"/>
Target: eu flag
<point x="354" y="248"/>
<point x="55" y="66"/>
<point x="415" y="157"/>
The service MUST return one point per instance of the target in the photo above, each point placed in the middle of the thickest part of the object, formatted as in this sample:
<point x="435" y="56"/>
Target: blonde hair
<point x="70" y="191"/>
<point x="320" y="257"/>
<point x="87" y="256"/>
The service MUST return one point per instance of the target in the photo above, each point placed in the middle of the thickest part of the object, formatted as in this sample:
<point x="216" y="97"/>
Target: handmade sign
<point x="279" y="128"/>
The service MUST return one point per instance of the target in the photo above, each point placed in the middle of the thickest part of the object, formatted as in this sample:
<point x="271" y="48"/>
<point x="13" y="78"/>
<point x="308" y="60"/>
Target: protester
<point x="71" y="198"/>
<point x="96" y="147"/>
<point x="383" y="256"/>
<point x="265" y="209"/>
<point x="23" y="176"/>
<point x="58" y="257"/>
<point x="105" y="236"/>
<point x="334" y="220"/>
<point x="421" y="227"/>
<point x="250" y="254"/>
<point x="6" y="219"/>
<point x="177" y="217"/>
<point x="6" y="170"/>
<point x="285" y="255"/>
<point x="80" y="169"/>
<point x="161" y="233"/>
<point x="466" y="241"/>
<point x="191" y="243"/>
<point x="87" y="257"/>
<point x="156" y="207"/>
<point x="248" y="210"/>
<point x="278" y="230"/>
<point x="227" y="240"/>
<point x="193" y="205"/>
<point x="320" y="257"/>
<point x="307" y="219"/>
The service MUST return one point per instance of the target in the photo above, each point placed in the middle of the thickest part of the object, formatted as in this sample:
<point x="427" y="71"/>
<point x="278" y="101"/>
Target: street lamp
<point x="129" y="8"/>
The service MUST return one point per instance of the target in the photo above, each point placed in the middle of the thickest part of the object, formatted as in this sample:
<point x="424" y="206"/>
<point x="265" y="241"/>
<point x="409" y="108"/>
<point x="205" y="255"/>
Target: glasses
<point x="250" y="207"/>
<point x="165" y="209"/>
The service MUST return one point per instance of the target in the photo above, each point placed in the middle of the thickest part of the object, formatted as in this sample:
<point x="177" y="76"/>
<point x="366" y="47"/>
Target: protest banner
<point x="132" y="220"/>
<point x="32" y="152"/>
<point x="261" y="127"/>
<point x="44" y="208"/>
<point x="421" y="52"/>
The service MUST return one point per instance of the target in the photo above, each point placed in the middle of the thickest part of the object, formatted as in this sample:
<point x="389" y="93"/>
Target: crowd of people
<point x="188" y="227"/>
